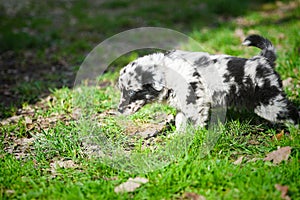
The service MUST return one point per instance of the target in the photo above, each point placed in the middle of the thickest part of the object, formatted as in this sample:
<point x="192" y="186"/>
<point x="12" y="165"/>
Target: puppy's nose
<point x="121" y="110"/>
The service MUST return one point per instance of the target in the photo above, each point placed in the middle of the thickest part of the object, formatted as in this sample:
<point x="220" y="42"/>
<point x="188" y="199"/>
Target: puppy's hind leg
<point x="278" y="110"/>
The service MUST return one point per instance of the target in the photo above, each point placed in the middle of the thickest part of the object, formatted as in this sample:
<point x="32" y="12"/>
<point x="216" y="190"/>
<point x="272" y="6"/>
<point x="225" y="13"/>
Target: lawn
<point x="60" y="142"/>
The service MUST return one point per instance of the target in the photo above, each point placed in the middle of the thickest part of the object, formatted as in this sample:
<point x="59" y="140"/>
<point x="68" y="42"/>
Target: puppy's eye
<point x="131" y="93"/>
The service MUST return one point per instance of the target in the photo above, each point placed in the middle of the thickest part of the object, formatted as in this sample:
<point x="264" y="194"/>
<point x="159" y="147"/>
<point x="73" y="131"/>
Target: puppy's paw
<point x="180" y="122"/>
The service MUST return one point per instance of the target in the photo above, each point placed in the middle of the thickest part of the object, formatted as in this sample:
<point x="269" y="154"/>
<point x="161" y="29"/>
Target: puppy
<point x="195" y="83"/>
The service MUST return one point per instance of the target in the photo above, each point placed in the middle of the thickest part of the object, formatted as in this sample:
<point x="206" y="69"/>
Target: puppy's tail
<point x="268" y="50"/>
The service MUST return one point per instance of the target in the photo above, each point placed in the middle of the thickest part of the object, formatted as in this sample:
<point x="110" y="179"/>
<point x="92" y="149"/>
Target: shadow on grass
<point x="43" y="43"/>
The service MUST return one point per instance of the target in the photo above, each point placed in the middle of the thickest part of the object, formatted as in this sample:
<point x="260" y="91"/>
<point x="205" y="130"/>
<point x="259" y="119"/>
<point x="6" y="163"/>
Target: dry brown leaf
<point x="238" y="161"/>
<point x="27" y="111"/>
<point x="10" y="192"/>
<point x="151" y="131"/>
<point x="64" y="164"/>
<point x="287" y="82"/>
<point x="279" y="155"/>
<point x="110" y="178"/>
<point x="279" y="135"/>
<point x="284" y="190"/>
<point x="29" y="127"/>
<point x="67" y="164"/>
<point x="253" y="142"/>
<point x="13" y="119"/>
<point x="28" y="123"/>
<point x="61" y="164"/>
<point x="131" y="184"/>
<point x="254" y="160"/>
<point x="193" y="196"/>
<point x="27" y="120"/>
<point x="24" y="141"/>
<point x="48" y="122"/>
<point x="21" y="147"/>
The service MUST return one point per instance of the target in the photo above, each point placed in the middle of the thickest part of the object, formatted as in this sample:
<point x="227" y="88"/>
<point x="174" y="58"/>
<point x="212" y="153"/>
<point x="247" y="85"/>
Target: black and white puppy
<point x="196" y="82"/>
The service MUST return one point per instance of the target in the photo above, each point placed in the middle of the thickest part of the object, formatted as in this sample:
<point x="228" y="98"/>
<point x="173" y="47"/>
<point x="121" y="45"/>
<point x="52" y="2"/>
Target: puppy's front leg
<point x="180" y="122"/>
<point x="181" y="125"/>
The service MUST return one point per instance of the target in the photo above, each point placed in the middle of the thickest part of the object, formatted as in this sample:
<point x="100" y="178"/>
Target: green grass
<point x="52" y="129"/>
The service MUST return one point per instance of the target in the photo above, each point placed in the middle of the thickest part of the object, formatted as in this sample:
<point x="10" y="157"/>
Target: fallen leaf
<point x="151" y="131"/>
<point x="48" y="122"/>
<point x="27" y="111"/>
<point x="238" y="161"/>
<point x="279" y="135"/>
<point x="28" y="120"/>
<point x="287" y="82"/>
<point x="63" y="164"/>
<point x="130" y="185"/>
<point x="110" y="178"/>
<point x="254" y="160"/>
<point x="28" y="123"/>
<point x="13" y="119"/>
<point x="253" y="142"/>
<point x="10" y="192"/>
<point x="193" y="196"/>
<point x="21" y="147"/>
<point x="278" y="155"/>
<point x="284" y="190"/>
<point x="24" y="141"/>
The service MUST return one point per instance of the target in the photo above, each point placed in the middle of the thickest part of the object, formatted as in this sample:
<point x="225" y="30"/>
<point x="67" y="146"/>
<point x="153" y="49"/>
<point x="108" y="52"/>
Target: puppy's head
<point x="140" y="82"/>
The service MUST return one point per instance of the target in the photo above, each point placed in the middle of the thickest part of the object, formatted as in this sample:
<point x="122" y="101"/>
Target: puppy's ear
<point x="158" y="82"/>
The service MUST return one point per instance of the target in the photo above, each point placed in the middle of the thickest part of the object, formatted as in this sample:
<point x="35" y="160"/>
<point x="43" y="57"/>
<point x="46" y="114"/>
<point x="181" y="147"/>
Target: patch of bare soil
<point x="31" y="125"/>
<point x="24" y="79"/>
<point x="134" y="132"/>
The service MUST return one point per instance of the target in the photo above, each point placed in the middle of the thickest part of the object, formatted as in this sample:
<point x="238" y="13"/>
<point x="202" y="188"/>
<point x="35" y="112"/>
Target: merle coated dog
<point x="196" y="82"/>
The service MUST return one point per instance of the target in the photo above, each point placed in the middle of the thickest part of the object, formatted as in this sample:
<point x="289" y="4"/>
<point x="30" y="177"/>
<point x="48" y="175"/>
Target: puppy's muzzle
<point x="127" y="109"/>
